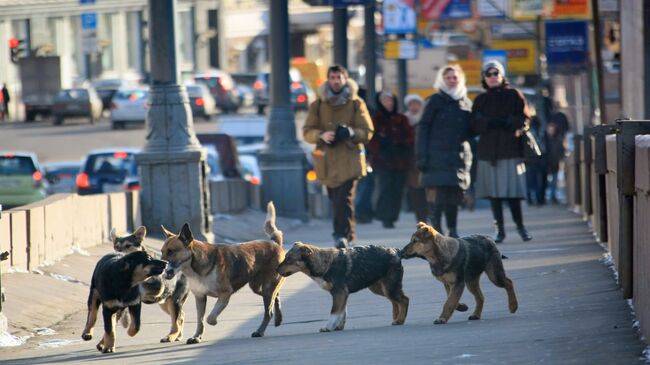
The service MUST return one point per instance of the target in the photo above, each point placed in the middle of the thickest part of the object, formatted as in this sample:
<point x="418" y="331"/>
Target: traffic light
<point x="16" y="47"/>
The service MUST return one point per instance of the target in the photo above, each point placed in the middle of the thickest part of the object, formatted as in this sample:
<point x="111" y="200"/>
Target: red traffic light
<point x="13" y="42"/>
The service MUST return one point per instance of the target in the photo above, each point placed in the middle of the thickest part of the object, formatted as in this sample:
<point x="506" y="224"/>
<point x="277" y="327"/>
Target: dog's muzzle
<point x="170" y="272"/>
<point x="159" y="267"/>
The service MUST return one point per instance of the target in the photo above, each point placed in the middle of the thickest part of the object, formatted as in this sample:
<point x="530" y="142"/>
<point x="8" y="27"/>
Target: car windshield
<point x="73" y="94"/>
<point x="16" y="165"/>
<point x="117" y="163"/>
<point x="132" y="95"/>
<point x="211" y="82"/>
<point x="194" y="91"/>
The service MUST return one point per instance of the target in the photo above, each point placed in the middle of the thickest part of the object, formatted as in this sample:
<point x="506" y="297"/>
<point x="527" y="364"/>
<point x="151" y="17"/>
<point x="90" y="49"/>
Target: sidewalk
<point x="570" y="310"/>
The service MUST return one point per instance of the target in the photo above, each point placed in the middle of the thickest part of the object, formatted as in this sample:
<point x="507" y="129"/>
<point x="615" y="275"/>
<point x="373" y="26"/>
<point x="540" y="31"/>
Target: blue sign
<point x="89" y="21"/>
<point x="567" y="43"/>
<point x="344" y="3"/>
<point x="500" y="55"/>
<point x="457" y="9"/>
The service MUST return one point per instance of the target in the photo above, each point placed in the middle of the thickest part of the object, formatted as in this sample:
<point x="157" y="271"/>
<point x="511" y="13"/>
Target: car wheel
<point x="58" y="120"/>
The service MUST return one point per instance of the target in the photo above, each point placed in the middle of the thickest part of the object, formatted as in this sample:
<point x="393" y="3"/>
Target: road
<point x="72" y="140"/>
<point x="570" y="311"/>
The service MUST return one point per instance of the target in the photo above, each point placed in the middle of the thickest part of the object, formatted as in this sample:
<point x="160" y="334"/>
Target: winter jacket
<point x="442" y="153"/>
<point x="344" y="160"/>
<point x="392" y="145"/>
<point x="496" y="116"/>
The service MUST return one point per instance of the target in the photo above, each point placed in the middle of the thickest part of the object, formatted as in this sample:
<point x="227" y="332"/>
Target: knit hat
<point x="494" y="64"/>
<point x="413" y="97"/>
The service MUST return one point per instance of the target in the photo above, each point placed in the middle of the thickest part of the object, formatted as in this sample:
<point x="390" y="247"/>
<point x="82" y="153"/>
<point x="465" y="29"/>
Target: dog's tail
<point x="269" y="225"/>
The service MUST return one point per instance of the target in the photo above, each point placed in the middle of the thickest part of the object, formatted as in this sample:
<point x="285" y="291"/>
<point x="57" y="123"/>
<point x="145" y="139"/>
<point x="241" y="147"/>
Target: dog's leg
<point x="400" y="307"/>
<point x="107" y="344"/>
<point x="222" y="303"/>
<point x="462" y="307"/>
<point x="93" y="306"/>
<point x="176" y="316"/>
<point x="455" y="292"/>
<point x="134" y="311"/>
<point x="474" y="287"/>
<point x="200" y="313"/>
<point x="497" y="275"/>
<point x="268" y="313"/>
<point x="277" y="311"/>
<point x="337" y="314"/>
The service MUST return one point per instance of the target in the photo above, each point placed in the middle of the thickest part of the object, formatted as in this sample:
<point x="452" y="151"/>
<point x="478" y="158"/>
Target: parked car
<point x="298" y="89"/>
<point x="222" y="87"/>
<point x="250" y="169"/>
<point x="108" y="170"/>
<point x="129" y="106"/>
<point x="21" y="179"/>
<point x="244" y="83"/>
<point x="201" y="101"/>
<point x="61" y="176"/>
<point x="106" y="89"/>
<point x="76" y="103"/>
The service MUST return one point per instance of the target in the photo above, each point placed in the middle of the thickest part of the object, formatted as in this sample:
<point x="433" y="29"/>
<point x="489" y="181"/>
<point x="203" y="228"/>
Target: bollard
<point x="600" y="168"/>
<point x="577" y="156"/>
<point x="587" y="157"/>
<point x="625" y="160"/>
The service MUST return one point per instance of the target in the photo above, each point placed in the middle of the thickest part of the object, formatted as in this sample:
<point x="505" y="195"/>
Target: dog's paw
<point x="397" y="323"/>
<point x="87" y="336"/>
<point x="132" y="331"/>
<point x="325" y="329"/>
<point x="100" y="347"/>
<point x="474" y="317"/>
<point x="212" y="321"/>
<point x="257" y="334"/>
<point x="440" y="321"/>
<point x="193" y="340"/>
<point x="513" y="307"/>
<point x="462" y="307"/>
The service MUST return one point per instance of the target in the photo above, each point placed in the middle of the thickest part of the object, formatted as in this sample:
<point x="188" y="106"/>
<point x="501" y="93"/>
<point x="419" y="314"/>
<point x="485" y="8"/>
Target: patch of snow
<point x="54" y="343"/>
<point x="79" y="250"/>
<point x="38" y="272"/>
<point x="646" y="355"/>
<point x="464" y="356"/>
<point x="9" y="340"/>
<point x="636" y="324"/>
<point x="66" y="278"/>
<point x="44" y="331"/>
<point x="608" y="260"/>
<point x="17" y="270"/>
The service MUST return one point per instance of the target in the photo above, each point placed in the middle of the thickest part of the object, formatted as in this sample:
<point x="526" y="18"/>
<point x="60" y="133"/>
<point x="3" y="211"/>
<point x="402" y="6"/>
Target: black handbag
<point x="530" y="147"/>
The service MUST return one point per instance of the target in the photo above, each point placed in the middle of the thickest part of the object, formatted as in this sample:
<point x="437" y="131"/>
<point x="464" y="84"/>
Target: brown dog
<point x="345" y="271"/>
<point x="219" y="270"/>
<point x="457" y="262"/>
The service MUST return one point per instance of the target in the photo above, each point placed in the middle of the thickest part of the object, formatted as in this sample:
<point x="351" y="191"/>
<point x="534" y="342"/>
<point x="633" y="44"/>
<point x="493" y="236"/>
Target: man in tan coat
<point x="339" y="124"/>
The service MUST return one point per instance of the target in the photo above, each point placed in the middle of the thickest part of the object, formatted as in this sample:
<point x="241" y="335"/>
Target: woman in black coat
<point x="498" y="116"/>
<point x="442" y="153"/>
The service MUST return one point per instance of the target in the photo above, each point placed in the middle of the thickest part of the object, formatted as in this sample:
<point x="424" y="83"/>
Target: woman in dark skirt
<point x="498" y="116"/>
<point x="442" y="153"/>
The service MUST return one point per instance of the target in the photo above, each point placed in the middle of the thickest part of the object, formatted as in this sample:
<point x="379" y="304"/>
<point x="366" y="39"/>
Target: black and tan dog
<point x="456" y="262"/>
<point x="114" y="285"/>
<point x="346" y="271"/>
<point x="219" y="270"/>
<point x="170" y="294"/>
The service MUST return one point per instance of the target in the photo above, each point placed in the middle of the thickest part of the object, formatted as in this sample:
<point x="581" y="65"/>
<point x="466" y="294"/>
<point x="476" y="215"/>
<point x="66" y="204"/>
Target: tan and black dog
<point x="219" y="270"/>
<point x="345" y="271"/>
<point x="170" y="294"/>
<point x="456" y="262"/>
<point x="114" y="285"/>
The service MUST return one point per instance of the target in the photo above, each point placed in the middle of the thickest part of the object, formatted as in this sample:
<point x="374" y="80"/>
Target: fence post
<point x="577" y="143"/>
<point x="587" y="204"/>
<point x="625" y="159"/>
<point x="600" y="168"/>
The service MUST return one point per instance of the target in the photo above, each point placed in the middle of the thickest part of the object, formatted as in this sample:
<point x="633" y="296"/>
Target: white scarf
<point x="457" y="93"/>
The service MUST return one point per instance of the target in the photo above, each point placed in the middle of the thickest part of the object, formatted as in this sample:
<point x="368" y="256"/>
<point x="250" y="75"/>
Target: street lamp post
<point x="369" y="51"/>
<point x="282" y="161"/>
<point x="173" y="168"/>
<point x="340" y="22"/>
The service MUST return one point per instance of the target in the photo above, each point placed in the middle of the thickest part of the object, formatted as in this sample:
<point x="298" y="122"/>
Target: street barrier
<point x="43" y="232"/>
<point x="614" y="193"/>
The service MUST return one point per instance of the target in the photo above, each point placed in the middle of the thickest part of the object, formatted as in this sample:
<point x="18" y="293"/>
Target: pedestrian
<point x="498" y="116"/>
<point x="5" y="102"/>
<point x="536" y="167"/>
<point x="414" y="191"/>
<point x="442" y="152"/>
<point x="390" y="151"/>
<point x="339" y="124"/>
<point x="555" y="151"/>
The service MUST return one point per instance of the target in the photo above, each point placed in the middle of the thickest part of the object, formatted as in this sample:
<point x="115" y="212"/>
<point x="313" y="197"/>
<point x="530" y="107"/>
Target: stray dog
<point x="170" y="294"/>
<point x="456" y="262"/>
<point x="345" y="271"/>
<point x="219" y="270"/>
<point x="114" y="285"/>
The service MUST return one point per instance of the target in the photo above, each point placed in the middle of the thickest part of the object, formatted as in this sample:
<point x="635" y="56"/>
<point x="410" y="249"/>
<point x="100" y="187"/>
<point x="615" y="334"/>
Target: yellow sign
<point x="522" y="55"/>
<point x="472" y="70"/>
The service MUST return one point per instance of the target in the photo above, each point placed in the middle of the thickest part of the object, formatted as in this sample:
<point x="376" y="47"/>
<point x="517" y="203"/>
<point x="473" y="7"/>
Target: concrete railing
<point x="612" y="190"/>
<point x="43" y="232"/>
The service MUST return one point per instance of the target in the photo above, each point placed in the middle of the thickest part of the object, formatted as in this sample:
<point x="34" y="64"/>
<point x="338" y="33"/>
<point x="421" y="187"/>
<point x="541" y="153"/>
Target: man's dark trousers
<point x="342" y="198"/>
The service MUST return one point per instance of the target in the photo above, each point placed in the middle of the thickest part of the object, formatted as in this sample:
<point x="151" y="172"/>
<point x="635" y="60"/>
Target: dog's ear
<point x="140" y="233"/>
<point x="305" y="250"/>
<point x="167" y="233"/>
<point x="420" y="225"/>
<point x="186" y="234"/>
<point x="112" y="235"/>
